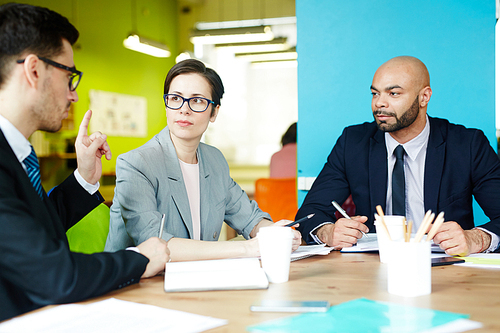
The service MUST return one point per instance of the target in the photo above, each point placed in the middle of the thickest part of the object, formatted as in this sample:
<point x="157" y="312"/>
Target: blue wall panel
<point x="341" y="44"/>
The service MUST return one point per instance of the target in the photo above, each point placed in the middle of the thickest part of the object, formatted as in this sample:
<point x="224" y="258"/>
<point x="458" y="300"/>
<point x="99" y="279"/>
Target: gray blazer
<point x="149" y="183"/>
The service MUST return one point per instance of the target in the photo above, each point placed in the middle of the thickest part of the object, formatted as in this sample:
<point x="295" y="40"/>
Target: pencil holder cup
<point x="409" y="268"/>
<point x="275" y="244"/>
<point x="394" y="225"/>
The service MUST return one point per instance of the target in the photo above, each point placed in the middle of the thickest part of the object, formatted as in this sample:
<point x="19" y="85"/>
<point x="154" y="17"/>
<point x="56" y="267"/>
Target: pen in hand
<point x="344" y="214"/>
<point x="162" y="224"/>
<point x="305" y="218"/>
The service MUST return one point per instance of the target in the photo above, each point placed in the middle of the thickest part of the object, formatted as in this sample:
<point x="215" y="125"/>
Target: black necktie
<point x="33" y="169"/>
<point x="398" y="183"/>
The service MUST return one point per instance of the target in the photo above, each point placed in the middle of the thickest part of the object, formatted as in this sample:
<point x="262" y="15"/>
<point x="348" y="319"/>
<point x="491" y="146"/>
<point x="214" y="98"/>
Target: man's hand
<point x="456" y="241"/>
<point x="89" y="150"/>
<point x="156" y="250"/>
<point x="297" y="237"/>
<point x="344" y="233"/>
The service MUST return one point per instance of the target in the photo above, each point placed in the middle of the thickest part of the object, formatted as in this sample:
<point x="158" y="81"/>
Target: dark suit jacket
<point x="460" y="163"/>
<point x="36" y="265"/>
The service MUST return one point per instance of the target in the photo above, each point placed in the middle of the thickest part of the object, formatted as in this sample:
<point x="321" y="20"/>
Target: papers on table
<point x="307" y="251"/>
<point x="111" y="315"/>
<point x="377" y="317"/>
<point x="370" y="244"/>
<point x="365" y="244"/>
<point x="483" y="260"/>
<point x="223" y="274"/>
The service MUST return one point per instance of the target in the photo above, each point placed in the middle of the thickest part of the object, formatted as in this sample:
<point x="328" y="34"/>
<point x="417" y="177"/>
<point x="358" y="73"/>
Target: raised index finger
<point x="84" y="125"/>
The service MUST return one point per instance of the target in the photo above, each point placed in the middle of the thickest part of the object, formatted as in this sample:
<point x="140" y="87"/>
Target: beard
<point x="406" y="119"/>
<point x="49" y="112"/>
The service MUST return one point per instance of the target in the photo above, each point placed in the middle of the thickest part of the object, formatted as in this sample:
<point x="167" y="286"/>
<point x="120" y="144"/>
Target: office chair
<point x="89" y="235"/>
<point x="277" y="196"/>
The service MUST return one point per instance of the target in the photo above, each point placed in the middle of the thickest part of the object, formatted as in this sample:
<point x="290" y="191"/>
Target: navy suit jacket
<point x="460" y="164"/>
<point x="36" y="265"/>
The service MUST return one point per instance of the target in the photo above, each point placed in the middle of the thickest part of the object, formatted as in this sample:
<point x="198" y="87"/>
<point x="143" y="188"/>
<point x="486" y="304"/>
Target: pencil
<point x="435" y="227"/>
<point x="162" y="224"/>
<point x="426" y="222"/>
<point x="343" y="212"/>
<point x="410" y="226"/>
<point x="381" y="214"/>
<point x="305" y="218"/>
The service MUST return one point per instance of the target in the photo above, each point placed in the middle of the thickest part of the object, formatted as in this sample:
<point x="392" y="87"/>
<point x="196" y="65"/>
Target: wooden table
<point x="336" y="278"/>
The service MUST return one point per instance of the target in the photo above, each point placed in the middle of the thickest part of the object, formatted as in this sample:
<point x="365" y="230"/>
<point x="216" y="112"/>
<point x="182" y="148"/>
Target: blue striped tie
<point x="33" y="169"/>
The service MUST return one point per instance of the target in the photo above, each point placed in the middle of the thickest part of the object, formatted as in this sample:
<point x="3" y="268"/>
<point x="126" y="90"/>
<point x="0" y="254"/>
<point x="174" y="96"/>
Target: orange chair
<point x="277" y="196"/>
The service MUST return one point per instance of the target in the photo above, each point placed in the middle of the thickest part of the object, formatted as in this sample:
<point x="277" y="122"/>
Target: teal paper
<point x="361" y="315"/>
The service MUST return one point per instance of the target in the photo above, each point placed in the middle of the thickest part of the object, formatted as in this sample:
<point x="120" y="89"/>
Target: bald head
<point x="411" y="69"/>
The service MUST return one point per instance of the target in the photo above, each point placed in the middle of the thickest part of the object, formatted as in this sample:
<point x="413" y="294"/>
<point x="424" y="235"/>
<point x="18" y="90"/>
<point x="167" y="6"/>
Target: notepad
<point x="223" y="274"/>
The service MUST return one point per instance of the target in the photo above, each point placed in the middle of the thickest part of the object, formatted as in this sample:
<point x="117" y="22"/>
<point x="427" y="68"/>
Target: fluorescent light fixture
<point x="277" y="44"/>
<point x="232" y="35"/>
<point x="246" y="23"/>
<point x="147" y="46"/>
<point x="269" y="56"/>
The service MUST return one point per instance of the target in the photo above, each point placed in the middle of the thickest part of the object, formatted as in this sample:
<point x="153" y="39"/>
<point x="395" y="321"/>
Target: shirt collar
<point x="16" y="141"/>
<point x="412" y="147"/>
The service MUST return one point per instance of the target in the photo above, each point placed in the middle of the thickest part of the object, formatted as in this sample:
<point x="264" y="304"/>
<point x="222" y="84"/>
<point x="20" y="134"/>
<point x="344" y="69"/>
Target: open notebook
<point x="223" y="274"/>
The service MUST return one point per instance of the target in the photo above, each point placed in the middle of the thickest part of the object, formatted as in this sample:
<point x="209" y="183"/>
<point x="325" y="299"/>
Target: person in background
<point x="438" y="166"/>
<point x="38" y="79"/>
<point x="176" y="176"/>
<point x="284" y="162"/>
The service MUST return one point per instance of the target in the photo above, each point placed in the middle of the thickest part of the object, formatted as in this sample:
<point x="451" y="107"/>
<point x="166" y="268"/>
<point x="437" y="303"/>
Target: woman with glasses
<point x="178" y="188"/>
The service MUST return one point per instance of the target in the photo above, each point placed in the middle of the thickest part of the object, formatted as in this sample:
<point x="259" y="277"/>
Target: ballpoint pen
<point x="162" y="224"/>
<point x="305" y="218"/>
<point x="344" y="214"/>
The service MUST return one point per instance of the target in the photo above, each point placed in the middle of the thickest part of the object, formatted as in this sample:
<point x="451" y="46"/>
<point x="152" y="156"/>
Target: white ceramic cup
<point x="275" y="244"/>
<point x="409" y="268"/>
<point x="394" y="224"/>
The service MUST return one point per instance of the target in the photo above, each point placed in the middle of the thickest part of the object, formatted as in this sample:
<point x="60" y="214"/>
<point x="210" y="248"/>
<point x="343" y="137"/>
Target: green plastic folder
<point x="361" y="315"/>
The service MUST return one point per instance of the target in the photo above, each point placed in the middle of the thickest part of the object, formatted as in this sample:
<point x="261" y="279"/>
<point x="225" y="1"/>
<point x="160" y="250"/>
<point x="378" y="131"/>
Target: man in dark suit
<point x="38" y="79"/>
<point x="443" y="167"/>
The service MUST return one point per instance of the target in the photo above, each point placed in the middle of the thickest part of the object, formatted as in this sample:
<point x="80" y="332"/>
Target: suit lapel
<point x="434" y="163"/>
<point x="175" y="180"/>
<point x="204" y="191"/>
<point x="44" y="210"/>
<point x="377" y="167"/>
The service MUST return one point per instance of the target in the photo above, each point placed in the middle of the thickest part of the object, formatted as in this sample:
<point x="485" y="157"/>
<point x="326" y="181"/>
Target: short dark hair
<point x="195" y="66"/>
<point x="26" y="28"/>
<point x="290" y="135"/>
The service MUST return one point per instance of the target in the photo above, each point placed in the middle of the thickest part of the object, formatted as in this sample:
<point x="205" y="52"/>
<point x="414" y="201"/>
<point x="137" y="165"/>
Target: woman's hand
<point x="297" y="237"/>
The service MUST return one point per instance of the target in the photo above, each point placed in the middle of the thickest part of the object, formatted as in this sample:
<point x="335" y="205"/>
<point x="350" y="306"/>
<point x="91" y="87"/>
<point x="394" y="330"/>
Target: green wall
<point x="108" y="66"/>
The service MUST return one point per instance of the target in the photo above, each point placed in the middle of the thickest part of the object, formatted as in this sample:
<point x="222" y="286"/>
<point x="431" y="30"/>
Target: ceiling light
<point x="232" y="35"/>
<point x="277" y="44"/>
<point x="147" y="46"/>
<point x="269" y="56"/>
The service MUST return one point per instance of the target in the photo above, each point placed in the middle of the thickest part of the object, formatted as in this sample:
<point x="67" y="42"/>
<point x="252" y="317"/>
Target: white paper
<point x="222" y="274"/>
<point x="306" y="251"/>
<point x="111" y="315"/>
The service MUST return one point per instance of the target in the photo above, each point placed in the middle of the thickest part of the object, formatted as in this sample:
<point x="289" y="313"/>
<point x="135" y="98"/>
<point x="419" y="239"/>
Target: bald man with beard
<point x="445" y="165"/>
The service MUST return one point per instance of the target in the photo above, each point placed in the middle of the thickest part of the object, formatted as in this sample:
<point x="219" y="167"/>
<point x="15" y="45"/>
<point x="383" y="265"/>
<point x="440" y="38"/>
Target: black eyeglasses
<point x="76" y="73"/>
<point x="197" y="104"/>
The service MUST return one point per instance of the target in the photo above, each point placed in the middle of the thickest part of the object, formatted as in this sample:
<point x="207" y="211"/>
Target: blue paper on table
<point x="361" y="315"/>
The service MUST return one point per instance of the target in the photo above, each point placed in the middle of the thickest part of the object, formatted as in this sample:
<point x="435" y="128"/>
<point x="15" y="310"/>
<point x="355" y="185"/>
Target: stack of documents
<point x="223" y="274"/>
<point x="111" y="315"/>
